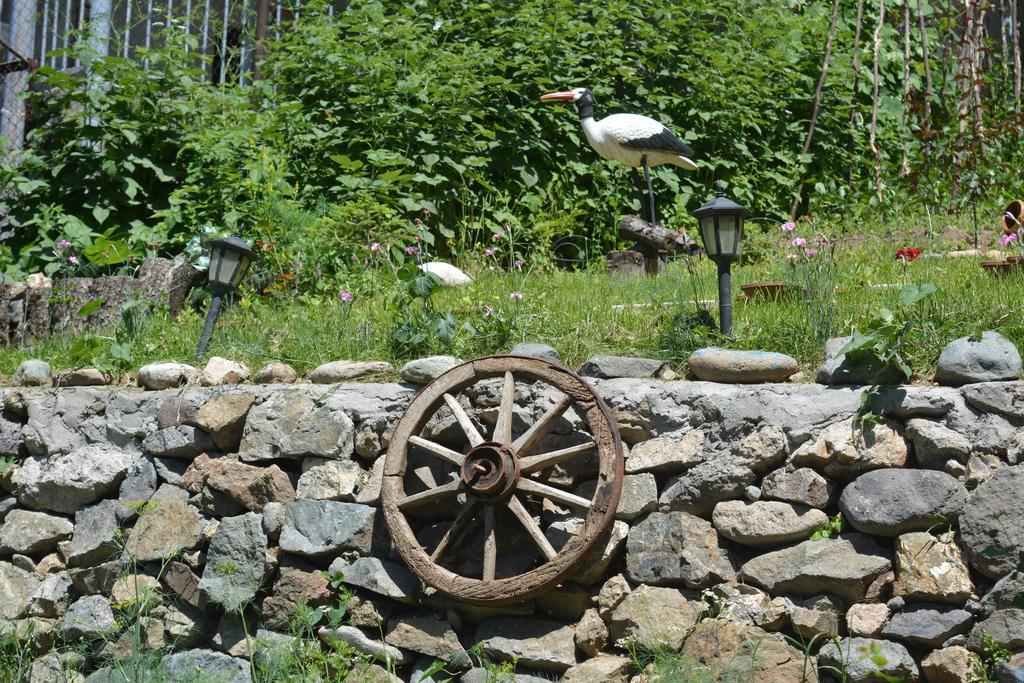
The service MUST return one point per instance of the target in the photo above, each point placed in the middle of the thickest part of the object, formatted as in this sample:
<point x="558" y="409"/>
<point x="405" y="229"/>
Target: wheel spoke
<point x="462" y="520"/>
<point x="557" y="495"/>
<point x="430" y="495"/>
<point x="503" y="427"/>
<point x="463" y="419"/>
<point x="437" y="449"/>
<point x="490" y="544"/>
<point x="523" y="515"/>
<point x="535" y="463"/>
<point x="526" y="442"/>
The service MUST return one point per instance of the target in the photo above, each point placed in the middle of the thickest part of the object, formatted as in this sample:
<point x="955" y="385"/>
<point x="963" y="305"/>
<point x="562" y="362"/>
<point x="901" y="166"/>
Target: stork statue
<point x="630" y="139"/>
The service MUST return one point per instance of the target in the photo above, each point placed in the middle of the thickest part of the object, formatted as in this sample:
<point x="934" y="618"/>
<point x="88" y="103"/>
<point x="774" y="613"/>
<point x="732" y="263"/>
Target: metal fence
<point x="36" y="32"/>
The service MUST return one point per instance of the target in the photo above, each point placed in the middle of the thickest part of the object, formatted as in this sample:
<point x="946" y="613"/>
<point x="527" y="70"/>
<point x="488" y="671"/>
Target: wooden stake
<point x="873" y="136"/>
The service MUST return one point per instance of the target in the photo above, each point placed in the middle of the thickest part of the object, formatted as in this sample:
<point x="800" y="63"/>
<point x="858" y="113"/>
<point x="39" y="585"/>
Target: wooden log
<point x="656" y="237"/>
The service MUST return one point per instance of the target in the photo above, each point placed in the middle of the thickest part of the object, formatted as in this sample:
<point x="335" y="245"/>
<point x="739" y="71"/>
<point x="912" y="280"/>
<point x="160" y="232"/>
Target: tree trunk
<point x="905" y="163"/>
<point x="655" y="237"/>
<point x="856" y="86"/>
<point x="873" y="136"/>
<point x="1015" y="40"/>
<point x="816" y="109"/>
<point x="926" y="124"/>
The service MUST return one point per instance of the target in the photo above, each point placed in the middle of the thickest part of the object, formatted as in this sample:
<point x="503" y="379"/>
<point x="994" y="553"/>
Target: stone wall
<point x="119" y="493"/>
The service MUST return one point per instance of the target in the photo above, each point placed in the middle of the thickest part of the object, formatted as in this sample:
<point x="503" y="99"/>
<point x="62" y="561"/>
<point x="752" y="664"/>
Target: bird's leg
<point x="650" y="191"/>
<point x="639" y="183"/>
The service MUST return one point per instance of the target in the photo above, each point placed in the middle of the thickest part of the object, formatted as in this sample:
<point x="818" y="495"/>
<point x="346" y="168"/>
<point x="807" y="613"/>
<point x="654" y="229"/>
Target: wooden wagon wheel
<point x="495" y="480"/>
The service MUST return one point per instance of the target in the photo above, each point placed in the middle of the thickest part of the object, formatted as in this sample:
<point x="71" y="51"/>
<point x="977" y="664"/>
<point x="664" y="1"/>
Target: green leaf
<point x="90" y="307"/>
<point x="100" y="213"/>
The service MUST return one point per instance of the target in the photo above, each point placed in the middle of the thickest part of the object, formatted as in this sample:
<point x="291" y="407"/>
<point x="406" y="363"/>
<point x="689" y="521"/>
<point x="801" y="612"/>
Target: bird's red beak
<point x="564" y="96"/>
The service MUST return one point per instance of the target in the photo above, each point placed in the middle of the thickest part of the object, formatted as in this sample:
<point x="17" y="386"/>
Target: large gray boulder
<point x="32" y="533"/>
<point x="868" y="660"/>
<point x="315" y="528"/>
<point x="207" y="664"/>
<point x="390" y="579"/>
<point x="991" y="523"/>
<point x="169" y="526"/>
<point x="968" y="360"/>
<point x="96" y="535"/>
<point x="928" y="625"/>
<point x="654" y="618"/>
<point x="935" y="444"/>
<point x="741" y="367"/>
<point x="535" y="350"/>
<point x="16" y="586"/>
<point x="426" y="370"/>
<point x="1005" y="626"/>
<point x="32" y="373"/>
<point x="766" y="522"/>
<point x="88" y="618"/>
<point x="698" y="489"/>
<point x="890" y="502"/>
<point x="676" y="549"/>
<point x="65" y="483"/>
<point x="844" y="567"/>
<point x="293" y="424"/>
<point x="534" y="643"/>
<point x="608" y="367"/>
<point x="235" y="562"/>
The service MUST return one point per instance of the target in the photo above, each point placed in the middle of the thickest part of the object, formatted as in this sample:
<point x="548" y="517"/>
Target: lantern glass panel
<point x="225" y="266"/>
<point x="728" y="232"/>
<point x="707" y="229"/>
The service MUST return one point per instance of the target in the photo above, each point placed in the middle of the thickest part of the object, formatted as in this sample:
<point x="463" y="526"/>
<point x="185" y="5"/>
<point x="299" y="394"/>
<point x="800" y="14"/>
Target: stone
<point x="372" y="612"/>
<point x="275" y="373"/>
<point x="137" y="487"/>
<point x="182" y="581"/>
<point x="390" y="579"/>
<point x="762" y="450"/>
<point x="182" y="441"/>
<point x="594" y="564"/>
<point x="931" y="569"/>
<point x="1011" y="671"/>
<point x="329" y="479"/>
<point x="425" y="635"/>
<point x="249" y="486"/>
<point x="344" y="370"/>
<point x="802" y="485"/>
<point x="652" y="617"/>
<point x="603" y="668"/>
<point x="450" y="275"/>
<point x="536" y="350"/>
<point x="741" y="367"/>
<point x="730" y="651"/>
<point x="639" y="495"/>
<point x="967" y="360"/>
<point x="867" y="619"/>
<point x="980" y="466"/>
<point x="591" y="634"/>
<point x="698" y="489"/>
<point x="235" y="562"/>
<point x="87" y="618"/>
<point x="1005" y="626"/>
<point x="169" y="470"/>
<point x="935" y="444"/>
<point x="369" y="489"/>
<point x="32" y="533"/>
<point x="16" y="588"/>
<point x="356" y="639"/>
<point x="844" y="567"/>
<point x="927" y="625"/>
<point x="866" y="660"/>
<point x="766" y="523"/>
<point x="223" y="417"/>
<point x="273" y="519"/>
<point x="481" y="675"/>
<point x="135" y="589"/>
<point x="816" y="617"/>
<point x="157" y="376"/>
<point x="95" y="537"/>
<point x="51" y="667"/>
<point x="1007" y="592"/>
<point x="991" y="526"/>
<point x="949" y="665"/>
<point x="100" y="578"/>
<point x="294" y="425"/>
<point x="890" y="502"/>
<point x="666" y="455"/>
<point x="220" y="371"/>
<point x="612" y="593"/>
<point x="566" y="602"/>
<point x="82" y="377"/>
<point x="192" y="664"/>
<point x="32" y="373"/>
<point x="295" y="587"/>
<point x="843" y="450"/>
<point x="676" y="549"/>
<point x="609" y="367"/>
<point x="836" y="369"/>
<point x="170" y="525"/>
<point x="67" y="482"/>
<point x="745" y="604"/>
<point x="534" y="643"/>
<point x="426" y="370"/>
<point x="314" y="528"/>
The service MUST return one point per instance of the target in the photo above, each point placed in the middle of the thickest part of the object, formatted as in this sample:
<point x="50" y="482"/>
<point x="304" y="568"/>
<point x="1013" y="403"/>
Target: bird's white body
<point x="610" y="138"/>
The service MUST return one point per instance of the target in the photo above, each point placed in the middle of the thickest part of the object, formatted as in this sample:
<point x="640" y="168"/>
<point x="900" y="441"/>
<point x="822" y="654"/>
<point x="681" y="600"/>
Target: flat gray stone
<point x="82" y="377"/>
<point x="169" y="526"/>
<point x="235" y="562"/>
<point x="426" y="370"/>
<point x="863" y="659"/>
<point x="139" y="485"/>
<point x="655" y="618"/>
<point x="676" y="549"/>
<point x="65" y="483"/>
<point x="50" y="600"/>
<point x="182" y="441"/>
<point x="766" y="523"/>
<point x="638" y="497"/>
<point x="741" y="367"/>
<point x="33" y="533"/>
<point x="356" y="639"/>
<point x="1006" y="626"/>
<point x="844" y="567"/>
<point x="968" y="360"/>
<point x="536" y="350"/>
<point x="425" y="635"/>
<point x="698" y="489"/>
<point x="32" y="373"/>
<point x="96" y="535"/>
<point x="157" y="376"/>
<point x="344" y="370"/>
<point x="991" y="525"/>
<point x="169" y="470"/>
<point x="385" y="578"/>
<point x="609" y="367"/>
<point x="292" y="424"/>
<point x="890" y="502"/>
<point x="666" y="455"/>
<point x="329" y="479"/>
<point x="6" y="505"/>
<point x="1011" y="671"/>
<point x="935" y="444"/>
<point x="314" y="528"/>
<point x="927" y="625"/>
<point x="837" y="370"/>
<point x="87" y="618"/>
<point x="275" y="373"/>
<point x="16" y="586"/>
<point x="534" y="643"/>
<point x="1006" y="593"/>
<point x="206" y="664"/>
<point x="803" y="486"/>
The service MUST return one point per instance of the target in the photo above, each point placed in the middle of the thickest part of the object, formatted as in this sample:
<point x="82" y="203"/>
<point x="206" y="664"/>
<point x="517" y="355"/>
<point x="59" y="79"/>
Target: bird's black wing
<point x="664" y="141"/>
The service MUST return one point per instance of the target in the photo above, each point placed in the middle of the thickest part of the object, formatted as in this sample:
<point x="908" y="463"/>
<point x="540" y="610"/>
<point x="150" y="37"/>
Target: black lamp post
<point x="230" y="258"/>
<point x="721" y="230"/>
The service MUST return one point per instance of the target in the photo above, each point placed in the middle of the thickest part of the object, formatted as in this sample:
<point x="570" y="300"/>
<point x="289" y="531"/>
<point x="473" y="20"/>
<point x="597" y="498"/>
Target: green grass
<point x="574" y="312"/>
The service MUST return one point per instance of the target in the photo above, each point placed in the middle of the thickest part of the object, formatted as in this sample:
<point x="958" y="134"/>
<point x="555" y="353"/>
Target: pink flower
<point x="519" y="263"/>
<point x="516" y="296"/>
<point x="488" y="311"/>
<point x="354" y="257"/>
<point x="1006" y="239"/>
<point x="810" y="252"/>
<point x="489" y="251"/>
<point x="345" y="296"/>
<point x="799" y="241"/>
<point x="73" y="260"/>
<point x="63" y="244"/>
<point x="412" y="251"/>
<point x="375" y="246"/>
<point x="789" y="226"/>
<point x="497" y="236"/>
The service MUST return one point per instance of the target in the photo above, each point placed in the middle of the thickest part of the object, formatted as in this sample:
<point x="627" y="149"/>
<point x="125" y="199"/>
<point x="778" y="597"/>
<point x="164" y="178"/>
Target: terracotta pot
<point x="768" y="290"/>
<point x="998" y="267"/>
<point x="1016" y="209"/>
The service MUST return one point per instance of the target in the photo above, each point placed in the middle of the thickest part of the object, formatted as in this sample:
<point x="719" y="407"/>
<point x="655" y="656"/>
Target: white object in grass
<point x="449" y="274"/>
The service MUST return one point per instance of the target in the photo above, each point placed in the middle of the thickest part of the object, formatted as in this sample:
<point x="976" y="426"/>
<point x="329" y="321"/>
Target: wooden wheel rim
<point x="600" y="514"/>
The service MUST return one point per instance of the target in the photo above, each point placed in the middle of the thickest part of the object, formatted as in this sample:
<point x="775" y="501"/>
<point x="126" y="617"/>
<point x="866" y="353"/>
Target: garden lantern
<point x="721" y="230"/>
<point x="230" y="258"/>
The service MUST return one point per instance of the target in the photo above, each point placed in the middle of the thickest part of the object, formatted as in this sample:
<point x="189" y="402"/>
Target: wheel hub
<point x="491" y="471"/>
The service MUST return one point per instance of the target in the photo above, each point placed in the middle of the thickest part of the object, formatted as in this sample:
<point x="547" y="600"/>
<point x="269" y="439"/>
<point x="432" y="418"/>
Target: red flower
<point x="907" y="254"/>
